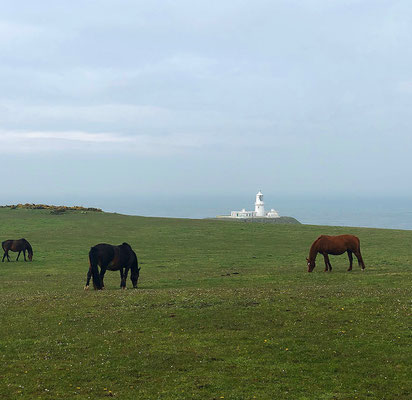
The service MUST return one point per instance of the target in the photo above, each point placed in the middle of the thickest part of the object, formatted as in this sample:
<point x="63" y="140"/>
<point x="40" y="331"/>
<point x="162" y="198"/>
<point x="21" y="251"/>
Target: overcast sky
<point x="117" y="97"/>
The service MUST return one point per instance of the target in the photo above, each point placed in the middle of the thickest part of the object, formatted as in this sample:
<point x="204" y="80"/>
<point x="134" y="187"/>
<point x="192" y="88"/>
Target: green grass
<point x="223" y="310"/>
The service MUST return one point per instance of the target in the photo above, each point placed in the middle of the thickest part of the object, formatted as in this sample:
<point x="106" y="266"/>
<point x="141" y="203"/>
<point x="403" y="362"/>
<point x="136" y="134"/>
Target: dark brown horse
<point x="113" y="258"/>
<point x="335" y="245"/>
<point x="20" y="245"/>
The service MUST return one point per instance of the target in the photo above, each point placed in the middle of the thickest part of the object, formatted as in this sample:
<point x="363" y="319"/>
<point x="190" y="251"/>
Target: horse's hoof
<point x="86" y="287"/>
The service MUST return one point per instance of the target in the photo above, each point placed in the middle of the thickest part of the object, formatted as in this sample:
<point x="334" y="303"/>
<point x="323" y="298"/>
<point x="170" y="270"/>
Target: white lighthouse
<point x="259" y="205"/>
<point x="258" y="213"/>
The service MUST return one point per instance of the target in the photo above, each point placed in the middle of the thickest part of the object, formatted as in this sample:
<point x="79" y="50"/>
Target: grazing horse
<point x="114" y="258"/>
<point x="335" y="245"/>
<point x="20" y="245"/>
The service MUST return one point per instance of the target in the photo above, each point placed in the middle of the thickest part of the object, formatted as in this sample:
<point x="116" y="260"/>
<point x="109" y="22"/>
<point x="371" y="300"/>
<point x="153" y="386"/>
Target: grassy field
<point x="223" y="310"/>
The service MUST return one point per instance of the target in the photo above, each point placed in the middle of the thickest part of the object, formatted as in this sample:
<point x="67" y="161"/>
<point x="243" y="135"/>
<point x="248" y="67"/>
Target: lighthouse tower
<point x="259" y="205"/>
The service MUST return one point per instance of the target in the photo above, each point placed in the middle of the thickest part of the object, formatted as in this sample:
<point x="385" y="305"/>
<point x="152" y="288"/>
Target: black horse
<point x="20" y="245"/>
<point x="113" y="258"/>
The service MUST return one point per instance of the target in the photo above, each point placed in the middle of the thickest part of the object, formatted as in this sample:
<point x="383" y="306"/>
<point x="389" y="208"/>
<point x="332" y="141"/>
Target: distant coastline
<point x="368" y="212"/>
<point x="262" y="220"/>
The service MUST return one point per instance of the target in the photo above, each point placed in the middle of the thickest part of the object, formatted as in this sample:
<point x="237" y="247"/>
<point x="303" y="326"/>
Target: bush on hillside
<point x="59" y="209"/>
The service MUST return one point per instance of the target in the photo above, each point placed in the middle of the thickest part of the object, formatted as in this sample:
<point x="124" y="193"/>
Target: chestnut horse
<point x="20" y="245"/>
<point x="113" y="258"/>
<point x="335" y="245"/>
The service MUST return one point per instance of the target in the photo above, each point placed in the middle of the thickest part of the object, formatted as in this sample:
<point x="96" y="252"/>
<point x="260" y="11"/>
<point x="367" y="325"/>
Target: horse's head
<point x="134" y="270"/>
<point x="27" y="246"/>
<point x="311" y="265"/>
<point x="134" y="276"/>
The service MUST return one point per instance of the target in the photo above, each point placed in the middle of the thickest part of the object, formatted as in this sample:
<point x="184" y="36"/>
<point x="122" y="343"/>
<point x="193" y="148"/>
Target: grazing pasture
<point x="223" y="310"/>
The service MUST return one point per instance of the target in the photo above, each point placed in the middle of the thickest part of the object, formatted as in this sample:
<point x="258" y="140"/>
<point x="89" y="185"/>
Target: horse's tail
<point x="359" y="256"/>
<point x="94" y="261"/>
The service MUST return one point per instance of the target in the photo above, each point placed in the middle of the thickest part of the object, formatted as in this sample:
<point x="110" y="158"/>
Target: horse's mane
<point x="312" y="251"/>
<point x="29" y="248"/>
<point x="316" y="241"/>
<point x="134" y="262"/>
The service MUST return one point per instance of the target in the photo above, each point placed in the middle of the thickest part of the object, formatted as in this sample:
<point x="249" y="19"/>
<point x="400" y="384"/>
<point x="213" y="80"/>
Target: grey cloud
<point x="279" y="81"/>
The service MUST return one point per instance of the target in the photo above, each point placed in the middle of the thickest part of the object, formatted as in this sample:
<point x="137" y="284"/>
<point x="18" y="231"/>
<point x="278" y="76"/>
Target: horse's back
<point x="337" y="244"/>
<point x="351" y="241"/>
<point x="102" y="247"/>
<point x="111" y="256"/>
<point x="7" y="244"/>
<point x="103" y="252"/>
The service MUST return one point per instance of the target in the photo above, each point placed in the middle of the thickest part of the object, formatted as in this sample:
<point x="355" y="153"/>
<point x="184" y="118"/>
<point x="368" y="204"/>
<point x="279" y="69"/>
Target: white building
<point x="259" y="210"/>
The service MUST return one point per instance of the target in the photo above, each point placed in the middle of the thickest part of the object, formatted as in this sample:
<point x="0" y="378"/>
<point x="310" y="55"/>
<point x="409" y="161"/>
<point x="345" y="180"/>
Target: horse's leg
<point x="6" y="254"/>
<point x="18" y="255"/>
<point x="102" y="272"/>
<point x="350" y="260"/>
<point x="89" y="275"/>
<point x="126" y="272"/>
<point x="360" y="259"/>
<point x="122" y="279"/>
<point x="327" y="263"/>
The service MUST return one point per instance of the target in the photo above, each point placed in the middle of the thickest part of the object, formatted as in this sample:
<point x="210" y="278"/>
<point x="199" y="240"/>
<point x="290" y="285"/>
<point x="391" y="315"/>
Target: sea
<point x="372" y="212"/>
<point x="376" y="212"/>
